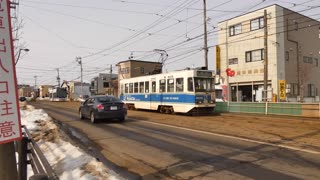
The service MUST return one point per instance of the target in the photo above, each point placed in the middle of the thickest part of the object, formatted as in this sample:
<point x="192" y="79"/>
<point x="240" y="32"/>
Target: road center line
<point x="233" y="137"/>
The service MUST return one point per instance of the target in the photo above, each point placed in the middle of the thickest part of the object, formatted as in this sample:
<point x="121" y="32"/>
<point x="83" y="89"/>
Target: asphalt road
<point x="155" y="151"/>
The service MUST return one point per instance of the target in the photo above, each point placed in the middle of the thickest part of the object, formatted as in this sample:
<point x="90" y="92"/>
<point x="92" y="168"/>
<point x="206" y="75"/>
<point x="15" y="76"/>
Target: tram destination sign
<point x="10" y="125"/>
<point x="204" y="73"/>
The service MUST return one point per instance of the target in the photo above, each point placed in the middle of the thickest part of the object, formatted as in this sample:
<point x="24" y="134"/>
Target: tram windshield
<point x="204" y="84"/>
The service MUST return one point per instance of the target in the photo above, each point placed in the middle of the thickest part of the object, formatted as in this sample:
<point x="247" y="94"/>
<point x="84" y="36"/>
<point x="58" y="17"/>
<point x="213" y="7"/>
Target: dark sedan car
<point x="103" y="107"/>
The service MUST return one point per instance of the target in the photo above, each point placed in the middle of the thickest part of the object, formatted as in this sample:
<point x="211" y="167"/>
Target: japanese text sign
<point x="10" y="125"/>
<point x="282" y="89"/>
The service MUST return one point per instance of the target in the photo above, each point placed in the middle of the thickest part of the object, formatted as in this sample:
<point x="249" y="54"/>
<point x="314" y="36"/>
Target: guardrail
<point x="289" y="109"/>
<point x="30" y="153"/>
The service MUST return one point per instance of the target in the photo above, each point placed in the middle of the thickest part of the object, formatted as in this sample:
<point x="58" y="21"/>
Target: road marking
<point x="234" y="137"/>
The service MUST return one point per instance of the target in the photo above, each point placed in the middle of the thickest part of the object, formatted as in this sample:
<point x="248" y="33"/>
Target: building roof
<point x="264" y="8"/>
<point x="131" y="60"/>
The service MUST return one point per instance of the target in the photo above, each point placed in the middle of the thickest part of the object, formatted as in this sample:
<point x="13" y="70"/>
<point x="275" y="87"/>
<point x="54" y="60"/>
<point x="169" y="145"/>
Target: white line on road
<point x="234" y="137"/>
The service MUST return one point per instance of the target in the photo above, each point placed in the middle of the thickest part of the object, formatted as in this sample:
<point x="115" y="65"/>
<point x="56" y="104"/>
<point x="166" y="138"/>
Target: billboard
<point x="10" y="125"/>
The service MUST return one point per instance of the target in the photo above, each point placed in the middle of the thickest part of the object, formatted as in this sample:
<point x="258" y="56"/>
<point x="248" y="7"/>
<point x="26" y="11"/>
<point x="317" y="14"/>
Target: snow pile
<point x="68" y="161"/>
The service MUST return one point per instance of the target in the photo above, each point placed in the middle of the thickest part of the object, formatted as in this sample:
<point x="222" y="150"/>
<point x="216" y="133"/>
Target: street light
<point x="26" y="50"/>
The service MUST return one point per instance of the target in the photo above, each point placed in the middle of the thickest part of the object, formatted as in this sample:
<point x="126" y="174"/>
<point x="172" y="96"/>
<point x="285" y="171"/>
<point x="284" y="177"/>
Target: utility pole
<point x="35" y="82"/>
<point x="79" y="60"/>
<point x="265" y="56"/>
<point x="110" y="81"/>
<point x="58" y="77"/>
<point x="205" y="34"/>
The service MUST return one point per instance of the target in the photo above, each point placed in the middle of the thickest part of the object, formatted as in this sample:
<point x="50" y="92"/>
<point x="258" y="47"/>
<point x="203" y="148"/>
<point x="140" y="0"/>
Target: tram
<point x="185" y="91"/>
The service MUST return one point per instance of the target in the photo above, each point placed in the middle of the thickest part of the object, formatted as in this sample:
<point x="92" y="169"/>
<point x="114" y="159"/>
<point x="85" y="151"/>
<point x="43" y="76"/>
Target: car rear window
<point x="108" y="99"/>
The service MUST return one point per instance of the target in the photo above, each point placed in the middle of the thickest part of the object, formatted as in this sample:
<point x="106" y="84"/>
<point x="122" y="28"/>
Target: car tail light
<point x="100" y="106"/>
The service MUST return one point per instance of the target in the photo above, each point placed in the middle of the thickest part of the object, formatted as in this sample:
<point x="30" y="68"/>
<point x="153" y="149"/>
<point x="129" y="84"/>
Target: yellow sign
<point x="282" y="89"/>
<point x="218" y="68"/>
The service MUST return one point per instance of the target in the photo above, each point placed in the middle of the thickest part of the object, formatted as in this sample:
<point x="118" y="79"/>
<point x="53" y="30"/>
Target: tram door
<point x="162" y="90"/>
<point x="153" y="95"/>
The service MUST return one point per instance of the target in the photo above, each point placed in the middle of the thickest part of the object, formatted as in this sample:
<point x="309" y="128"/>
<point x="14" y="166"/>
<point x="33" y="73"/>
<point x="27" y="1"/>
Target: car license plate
<point x="113" y="108"/>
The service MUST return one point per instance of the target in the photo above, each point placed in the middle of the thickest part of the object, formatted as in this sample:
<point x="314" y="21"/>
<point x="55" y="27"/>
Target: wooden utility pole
<point x="265" y="57"/>
<point x="205" y="34"/>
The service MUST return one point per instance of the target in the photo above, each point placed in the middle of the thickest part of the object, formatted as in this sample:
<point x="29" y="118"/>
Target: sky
<point x="105" y="32"/>
<point x="67" y="160"/>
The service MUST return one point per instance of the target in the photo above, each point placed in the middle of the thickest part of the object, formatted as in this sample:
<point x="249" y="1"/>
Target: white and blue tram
<point x="186" y="91"/>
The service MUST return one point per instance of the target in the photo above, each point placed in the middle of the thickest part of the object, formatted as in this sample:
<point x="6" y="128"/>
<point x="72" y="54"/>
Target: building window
<point x="162" y="83"/>
<point x="256" y="23"/>
<point x="105" y="84"/>
<point x="235" y="29"/>
<point x="233" y="61"/>
<point x="142" y="70"/>
<point x="316" y="62"/>
<point x="307" y="59"/>
<point x="287" y="56"/>
<point x="311" y="90"/>
<point x="136" y="86"/>
<point x="255" y="55"/>
<point x="179" y="85"/>
<point x="295" y="88"/>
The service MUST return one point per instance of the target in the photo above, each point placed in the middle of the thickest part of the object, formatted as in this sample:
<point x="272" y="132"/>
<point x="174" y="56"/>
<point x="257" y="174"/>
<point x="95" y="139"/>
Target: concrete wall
<point x="302" y="38"/>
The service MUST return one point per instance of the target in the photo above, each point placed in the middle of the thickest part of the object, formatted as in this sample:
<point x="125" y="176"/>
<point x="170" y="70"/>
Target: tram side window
<point x="170" y="85"/>
<point x="136" y="87"/>
<point x="154" y="86"/>
<point x="190" y="84"/>
<point x="162" y="83"/>
<point x="141" y="89"/>
<point x="147" y="86"/>
<point x="130" y="87"/>
<point x="179" y="85"/>
<point x="126" y="88"/>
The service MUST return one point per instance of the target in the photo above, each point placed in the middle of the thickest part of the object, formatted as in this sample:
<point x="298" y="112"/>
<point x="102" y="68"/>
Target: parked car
<point x="103" y="107"/>
<point x="22" y="102"/>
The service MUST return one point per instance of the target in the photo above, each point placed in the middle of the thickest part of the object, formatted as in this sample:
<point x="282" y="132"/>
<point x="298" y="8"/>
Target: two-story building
<point x="136" y="68"/>
<point x="104" y="84"/>
<point x="293" y="50"/>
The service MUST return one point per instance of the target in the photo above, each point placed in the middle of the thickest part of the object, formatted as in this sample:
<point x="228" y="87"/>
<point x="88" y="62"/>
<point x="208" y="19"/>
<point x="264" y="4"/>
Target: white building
<point x="293" y="55"/>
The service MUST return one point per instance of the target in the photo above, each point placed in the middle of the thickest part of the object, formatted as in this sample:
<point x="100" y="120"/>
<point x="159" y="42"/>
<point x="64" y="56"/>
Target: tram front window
<point x="203" y="84"/>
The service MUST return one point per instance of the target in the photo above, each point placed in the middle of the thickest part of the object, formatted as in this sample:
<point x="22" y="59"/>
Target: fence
<point x="289" y="109"/>
<point x="30" y="153"/>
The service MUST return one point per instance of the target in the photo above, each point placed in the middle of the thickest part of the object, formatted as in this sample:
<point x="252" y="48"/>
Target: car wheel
<point x="81" y="115"/>
<point x="122" y="119"/>
<point x="93" y="118"/>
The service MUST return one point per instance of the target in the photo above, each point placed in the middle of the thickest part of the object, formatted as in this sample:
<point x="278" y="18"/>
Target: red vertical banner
<point x="225" y="92"/>
<point x="10" y="124"/>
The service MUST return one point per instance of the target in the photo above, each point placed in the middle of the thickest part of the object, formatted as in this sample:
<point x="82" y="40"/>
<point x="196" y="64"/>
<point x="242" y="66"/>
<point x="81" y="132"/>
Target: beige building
<point x="135" y="68"/>
<point x="293" y="55"/>
<point x="25" y="91"/>
<point x="44" y="90"/>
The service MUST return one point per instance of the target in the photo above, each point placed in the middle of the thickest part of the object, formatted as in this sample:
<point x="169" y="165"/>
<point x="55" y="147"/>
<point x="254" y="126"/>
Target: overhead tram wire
<point x="140" y="38"/>
<point x="89" y="7"/>
<point x="186" y="41"/>
<point x="183" y="20"/>
<point x="152" y="25"/>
